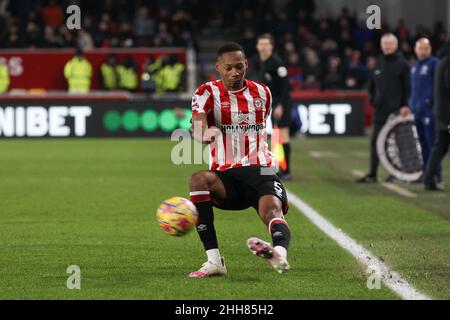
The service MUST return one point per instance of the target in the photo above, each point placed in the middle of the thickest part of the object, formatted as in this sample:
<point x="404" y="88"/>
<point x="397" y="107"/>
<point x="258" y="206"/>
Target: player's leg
<point x="271" y="203"/>
<point x="271" y="213"/>
<point x="207" y="188"/>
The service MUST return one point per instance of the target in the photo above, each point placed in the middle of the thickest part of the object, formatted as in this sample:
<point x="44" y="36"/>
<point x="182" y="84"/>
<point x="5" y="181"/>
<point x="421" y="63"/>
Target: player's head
<point x="265" y="44"/>
<point x="423" y="48"/>
<point x="231" y="65"/>
<point x="389" y="43"/>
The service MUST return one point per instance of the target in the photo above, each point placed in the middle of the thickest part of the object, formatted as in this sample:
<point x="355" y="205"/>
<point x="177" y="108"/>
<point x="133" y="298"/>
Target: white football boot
<point x="266" y="251"/>
<point x="210" y="269"/>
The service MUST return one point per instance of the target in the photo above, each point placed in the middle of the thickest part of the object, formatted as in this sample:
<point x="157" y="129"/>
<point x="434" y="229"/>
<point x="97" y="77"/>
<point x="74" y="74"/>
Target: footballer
<point x="230" y="115"/>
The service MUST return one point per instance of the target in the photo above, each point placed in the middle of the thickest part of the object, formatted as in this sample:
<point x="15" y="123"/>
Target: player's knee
<point x="200" y="181"/>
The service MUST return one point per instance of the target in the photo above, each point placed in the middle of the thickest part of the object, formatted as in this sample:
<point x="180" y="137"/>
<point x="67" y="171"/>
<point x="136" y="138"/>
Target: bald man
<point x="389" y="92"/>
<point x="421" y="99"/>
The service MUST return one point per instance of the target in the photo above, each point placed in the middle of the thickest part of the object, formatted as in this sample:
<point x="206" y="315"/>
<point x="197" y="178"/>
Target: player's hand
<point x="211" y="134"/>
<point x="404" y="111"/>
<point x="278" y="112"/>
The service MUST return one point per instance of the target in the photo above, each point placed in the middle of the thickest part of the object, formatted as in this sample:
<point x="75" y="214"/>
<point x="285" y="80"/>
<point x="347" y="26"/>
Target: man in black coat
<point x="442" y="113"/>
<point x="389" y="92"/>
<point x="274" y="74"/>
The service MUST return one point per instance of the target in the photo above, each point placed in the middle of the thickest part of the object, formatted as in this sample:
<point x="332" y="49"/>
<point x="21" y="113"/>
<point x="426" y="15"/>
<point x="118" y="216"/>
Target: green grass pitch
<point x="92" y="203"/>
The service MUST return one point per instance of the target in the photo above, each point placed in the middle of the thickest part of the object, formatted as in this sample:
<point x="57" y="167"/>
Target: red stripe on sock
<point x="276" y="221"/>
<point x="200" y="198"/>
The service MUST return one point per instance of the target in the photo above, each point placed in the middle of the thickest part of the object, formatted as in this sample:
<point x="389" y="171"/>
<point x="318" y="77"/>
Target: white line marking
<point x="401" y="191"/>
<point x="391" y="278"/>
<point x="323" y="154"/>
<point x="358" y="173"/>
<point x="390" y="186"/>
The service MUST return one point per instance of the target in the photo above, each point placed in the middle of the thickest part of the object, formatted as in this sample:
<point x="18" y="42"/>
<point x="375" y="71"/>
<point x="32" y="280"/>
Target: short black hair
<point x="229" y="47"/>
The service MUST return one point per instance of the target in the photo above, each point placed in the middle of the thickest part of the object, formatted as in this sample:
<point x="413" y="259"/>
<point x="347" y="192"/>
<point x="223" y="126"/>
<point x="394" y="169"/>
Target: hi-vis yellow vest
<point x="78" y="73"/>
<point x="128" y="78"/>
<point x="4" y="78"/>
<point x="110" y="76"/>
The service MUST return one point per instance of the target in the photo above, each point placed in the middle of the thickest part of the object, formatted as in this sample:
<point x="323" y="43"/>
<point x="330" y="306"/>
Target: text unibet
<point x="37" y="121"/>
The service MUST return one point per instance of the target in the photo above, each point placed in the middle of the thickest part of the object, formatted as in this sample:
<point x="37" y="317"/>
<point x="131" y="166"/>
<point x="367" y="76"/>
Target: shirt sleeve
<point x="201" y="101"/>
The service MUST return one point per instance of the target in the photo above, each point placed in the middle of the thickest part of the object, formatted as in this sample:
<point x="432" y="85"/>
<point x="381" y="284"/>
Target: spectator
<point x="150" y="73"/>
<point x="117" y="23"/>
<point x="163" y="38"/>
<point x="13" y="40"/>
<point x="144" y="26"/>
<point x="170" y="75"/>
<point x="4" y="78"/>
<point x="110" y="74"/>
<point x="312" y="71"/>
<point x="33" y="36"/>
<point x="356" y="74"/>
<point x="78" y="73"/>
<point x="128" y="79"/>
<point x="51" y="40"/>
<point x="333" y="77"/>
<point x="84" y="41"/>
<point x="52" y="14"/>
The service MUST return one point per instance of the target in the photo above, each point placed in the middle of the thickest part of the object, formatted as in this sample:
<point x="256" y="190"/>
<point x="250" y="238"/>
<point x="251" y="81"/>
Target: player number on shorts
<point x="278" y="188"/>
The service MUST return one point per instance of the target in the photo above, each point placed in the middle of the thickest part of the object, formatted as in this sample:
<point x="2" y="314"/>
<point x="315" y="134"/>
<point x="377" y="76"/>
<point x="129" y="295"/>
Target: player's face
<point x="423" y="50"/>
<point x="232" y="67"/>
<point x="389" y="45"/>
<point x="264" y="47"/>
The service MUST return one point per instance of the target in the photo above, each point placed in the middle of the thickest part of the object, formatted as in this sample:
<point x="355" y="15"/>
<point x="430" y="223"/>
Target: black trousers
<point x="438" y="152"/>
<point x="374" y="161"/>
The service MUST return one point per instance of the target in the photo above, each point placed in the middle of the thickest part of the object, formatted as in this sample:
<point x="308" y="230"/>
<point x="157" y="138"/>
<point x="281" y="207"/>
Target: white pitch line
<point x="323" y="154"/>
<point x="390" y="186"/>
<point x="391" y="278"/>
<point x="401" y="191"/>
<point x="358" y="173"/>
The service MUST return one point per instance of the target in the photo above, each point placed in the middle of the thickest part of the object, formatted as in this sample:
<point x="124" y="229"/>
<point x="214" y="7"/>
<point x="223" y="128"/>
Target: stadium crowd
<point x="320" y="52"/>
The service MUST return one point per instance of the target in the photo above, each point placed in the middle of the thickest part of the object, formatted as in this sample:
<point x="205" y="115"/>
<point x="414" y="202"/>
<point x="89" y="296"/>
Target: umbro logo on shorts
<point x="278" y="189"/>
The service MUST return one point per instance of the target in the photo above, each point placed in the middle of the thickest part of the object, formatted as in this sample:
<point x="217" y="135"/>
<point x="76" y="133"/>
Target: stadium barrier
<point x="120" y="114"/>
<point x="43" y="69"/>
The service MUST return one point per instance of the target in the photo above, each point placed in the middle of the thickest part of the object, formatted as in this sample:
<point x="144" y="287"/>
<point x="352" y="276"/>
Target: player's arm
<point x="202" y="103"/>
<point x="200" y="130"/>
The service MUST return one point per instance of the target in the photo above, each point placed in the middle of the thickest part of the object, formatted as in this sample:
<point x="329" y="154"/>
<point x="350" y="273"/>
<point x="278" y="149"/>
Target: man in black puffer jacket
<point x="389" y="92"/>
<point x="442" y="112"/>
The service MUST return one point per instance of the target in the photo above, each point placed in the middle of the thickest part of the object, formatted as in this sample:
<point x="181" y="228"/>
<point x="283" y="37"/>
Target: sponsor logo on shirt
<point x="242" y="128"/>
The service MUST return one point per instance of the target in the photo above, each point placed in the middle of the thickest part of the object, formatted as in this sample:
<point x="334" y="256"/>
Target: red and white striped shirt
<point x="241" y="116"/>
